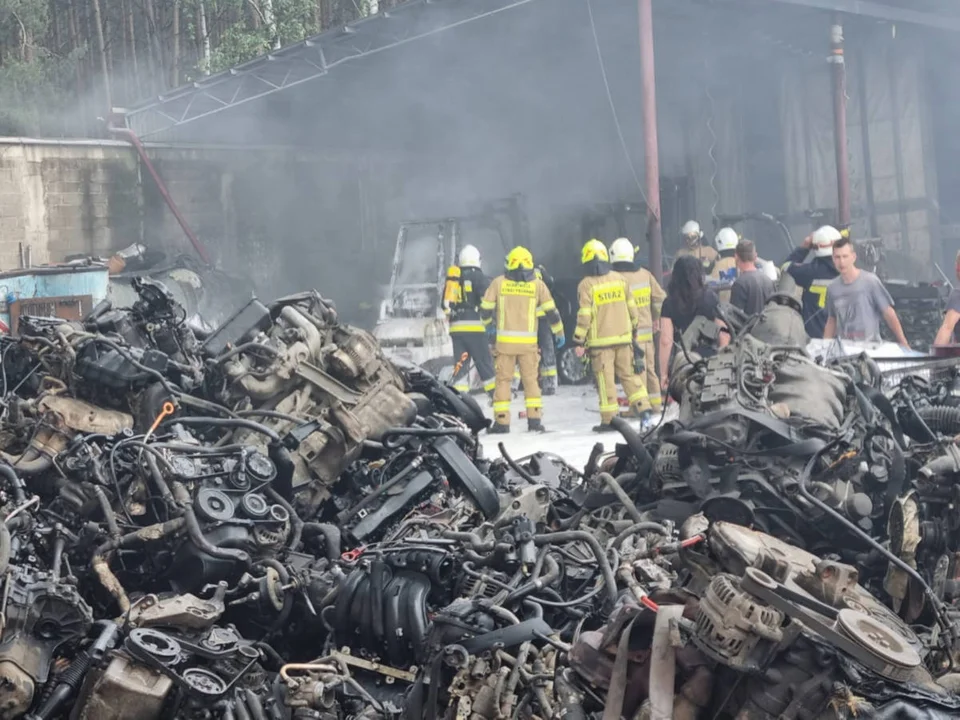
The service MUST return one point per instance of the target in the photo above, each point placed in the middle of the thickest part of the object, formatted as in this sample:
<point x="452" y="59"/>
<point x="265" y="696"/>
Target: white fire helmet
<point x="691" y="232"/>
<point x="469" y="257"/>
<point x="823" y="240"/>
<point x="769" y="269"/>
<point x="621" y="251"/>
<point x="726" y="239"/>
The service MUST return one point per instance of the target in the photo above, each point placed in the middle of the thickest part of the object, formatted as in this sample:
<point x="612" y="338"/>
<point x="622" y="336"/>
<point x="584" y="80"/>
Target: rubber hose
<point x="941" y="419"/>
<point x="622" y="496"/>
<point x="471" y="538"/>
<point x="402" y="433"/>
<point x="638" y="527"/>
<point x="108" y="516"/>
<point x="610" y="582"/>
<point x="226" y="422"/>
<point x="331" y="537"/>
<point x="644" y="461"/>
<point x="16" y="484"/>
<point x="159" y="482"/>
<point x="551" y="575"/>
<point x="514" y="466"/>
<point x="35" y="465"/>
<point x="5" y="543"/>
<point x="196" y="534"/>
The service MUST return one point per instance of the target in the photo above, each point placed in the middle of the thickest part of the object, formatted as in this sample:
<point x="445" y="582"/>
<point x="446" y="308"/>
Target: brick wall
<point x="287" y="220"/>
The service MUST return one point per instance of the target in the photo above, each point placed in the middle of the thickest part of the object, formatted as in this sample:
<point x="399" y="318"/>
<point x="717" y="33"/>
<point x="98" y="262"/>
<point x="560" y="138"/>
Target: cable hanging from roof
<point x="613" y="107"/>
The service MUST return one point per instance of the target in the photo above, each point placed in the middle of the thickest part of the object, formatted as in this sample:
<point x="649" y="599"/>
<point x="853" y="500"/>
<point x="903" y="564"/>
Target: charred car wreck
<point x="273" y="521"/>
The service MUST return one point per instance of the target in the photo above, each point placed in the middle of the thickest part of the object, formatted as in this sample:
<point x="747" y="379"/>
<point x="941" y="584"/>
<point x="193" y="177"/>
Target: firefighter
<point x="814" y="276"/>
<point x="606" y="323"/>
<point x="724" y="272"/>
<point x="464" y="290"/>
<point x="693" y="245"/>
<point x="548" y="353"/>
<point x="514" y="299"/>
<point x="649" y="297"/>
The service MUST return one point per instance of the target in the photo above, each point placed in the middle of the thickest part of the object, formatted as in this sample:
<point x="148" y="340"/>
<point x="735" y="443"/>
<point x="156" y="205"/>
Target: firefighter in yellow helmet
<point x="649" y="297"/>
<point x="510" y="306"/>
<point x="606" y="323"/>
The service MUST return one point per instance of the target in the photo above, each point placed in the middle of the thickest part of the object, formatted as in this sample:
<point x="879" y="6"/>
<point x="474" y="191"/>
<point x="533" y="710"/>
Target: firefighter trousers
<point x="548" y="360"/>
<point x="649" y="374"/>
<point x="475" y="345"/>
<point x="609" y="365"/>
<point x="548" y="354"/>
<point x="528" y="360"/>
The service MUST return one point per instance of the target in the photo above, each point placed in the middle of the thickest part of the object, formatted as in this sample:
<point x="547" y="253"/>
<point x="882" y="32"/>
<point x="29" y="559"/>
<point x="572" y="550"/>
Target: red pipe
<point x="132" y="138"/>
<point x="840" y="123"/>
<point x="652" y="157"/>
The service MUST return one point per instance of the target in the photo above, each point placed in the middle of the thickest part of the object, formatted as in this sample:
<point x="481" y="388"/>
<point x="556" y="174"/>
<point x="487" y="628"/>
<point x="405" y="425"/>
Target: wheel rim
<point x="574" y="368"/>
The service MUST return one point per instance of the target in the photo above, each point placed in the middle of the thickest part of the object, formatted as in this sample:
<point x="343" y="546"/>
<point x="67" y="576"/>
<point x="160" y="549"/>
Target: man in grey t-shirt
<point x="752" y="289"/>
<point x="857" y="301"/>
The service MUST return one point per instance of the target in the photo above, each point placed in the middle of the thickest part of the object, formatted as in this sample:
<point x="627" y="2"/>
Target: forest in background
<point x="65" y="63"/>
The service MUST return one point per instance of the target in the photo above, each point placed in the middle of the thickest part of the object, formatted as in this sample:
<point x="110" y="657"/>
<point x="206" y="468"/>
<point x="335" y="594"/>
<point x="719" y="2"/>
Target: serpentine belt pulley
<point x="879" y="648"/>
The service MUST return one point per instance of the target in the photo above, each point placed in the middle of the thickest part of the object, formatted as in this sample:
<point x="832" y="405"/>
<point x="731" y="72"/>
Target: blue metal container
<point x="82" y="280"/>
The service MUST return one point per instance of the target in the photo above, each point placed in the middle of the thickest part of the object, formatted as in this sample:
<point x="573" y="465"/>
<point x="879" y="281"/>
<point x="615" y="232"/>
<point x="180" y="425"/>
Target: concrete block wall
<point x="286" y="219"/>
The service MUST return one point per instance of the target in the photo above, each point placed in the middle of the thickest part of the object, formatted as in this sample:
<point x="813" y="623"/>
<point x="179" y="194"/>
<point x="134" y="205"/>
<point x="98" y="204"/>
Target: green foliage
<point x="51" y="59"/>
<point x="32" y="102"/>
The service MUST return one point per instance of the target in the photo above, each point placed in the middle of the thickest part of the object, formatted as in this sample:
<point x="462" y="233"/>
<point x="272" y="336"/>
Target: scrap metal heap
<point x="273" y="521"/>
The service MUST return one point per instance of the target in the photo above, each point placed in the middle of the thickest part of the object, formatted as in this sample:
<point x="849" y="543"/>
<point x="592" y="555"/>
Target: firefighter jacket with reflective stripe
<point x="723" y="276"/>
<point x="512" y="302"/>
<point x="608" y="313"/>
<point x="463" y="296"/>
<point x="813" y="277"/>
<point x="648" y="295"/>
<point x="704" y="253"/>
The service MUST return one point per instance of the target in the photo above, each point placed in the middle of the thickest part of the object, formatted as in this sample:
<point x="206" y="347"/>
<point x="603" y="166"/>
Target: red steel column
<point x="652" y="157"/>
<point x="840" y="122"/>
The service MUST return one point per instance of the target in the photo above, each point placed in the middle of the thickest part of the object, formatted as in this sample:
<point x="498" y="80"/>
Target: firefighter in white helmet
<point x="462" y="295"/>
<point x="724" y="272"/>
<point x="649" y="297"/>
<point x="814" y="276"/>
<point x="692" y="237"/>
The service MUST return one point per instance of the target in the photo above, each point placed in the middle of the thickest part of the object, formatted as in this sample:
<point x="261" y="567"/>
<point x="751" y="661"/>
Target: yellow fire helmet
<point x="519" y="258"/>
<point x="593" y="250"/>
<point x="453" y="272"/>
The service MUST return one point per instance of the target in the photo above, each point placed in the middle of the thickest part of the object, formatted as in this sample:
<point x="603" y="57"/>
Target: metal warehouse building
<point x="436" y="106"/>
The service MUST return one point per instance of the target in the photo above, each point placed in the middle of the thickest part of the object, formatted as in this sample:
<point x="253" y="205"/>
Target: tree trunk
<point x="75" y="42"/>
<point x="154" y="52"/>
<point x="132" y="30"/>
<point x="204" y="37"/>
<point x="55" y="27"/>
<point x="270" y="20"/>
<point x="175" y="65"/>
<point x="102" y="46"/>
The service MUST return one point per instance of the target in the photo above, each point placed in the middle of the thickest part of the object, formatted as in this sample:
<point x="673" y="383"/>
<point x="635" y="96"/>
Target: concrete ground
<point x="568" y="417"/>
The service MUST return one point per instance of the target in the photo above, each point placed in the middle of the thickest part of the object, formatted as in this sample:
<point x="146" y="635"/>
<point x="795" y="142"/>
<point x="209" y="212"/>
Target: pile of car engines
<point x="270" y="520"/>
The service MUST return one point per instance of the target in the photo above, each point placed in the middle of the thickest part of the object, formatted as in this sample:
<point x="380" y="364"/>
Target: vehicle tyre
<point x="571" y="369"/>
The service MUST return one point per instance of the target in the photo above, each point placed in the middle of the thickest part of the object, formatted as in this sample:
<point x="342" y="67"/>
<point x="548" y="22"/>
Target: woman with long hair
<point x="687" y="297"/>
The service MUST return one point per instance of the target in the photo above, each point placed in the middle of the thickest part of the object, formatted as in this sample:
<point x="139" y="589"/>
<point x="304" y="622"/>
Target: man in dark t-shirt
<point x="752" y="288"/>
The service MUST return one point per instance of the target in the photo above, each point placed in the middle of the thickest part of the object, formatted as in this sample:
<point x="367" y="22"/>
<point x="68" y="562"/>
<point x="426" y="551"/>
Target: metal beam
<point x="308" y="60"/>
<point x="882" y="12"/>
<point x="651" y="146"/>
